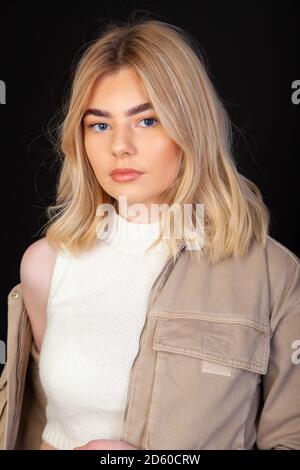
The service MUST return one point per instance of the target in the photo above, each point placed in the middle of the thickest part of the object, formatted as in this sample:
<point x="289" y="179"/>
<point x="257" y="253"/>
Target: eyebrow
<point x="130" y="112"/>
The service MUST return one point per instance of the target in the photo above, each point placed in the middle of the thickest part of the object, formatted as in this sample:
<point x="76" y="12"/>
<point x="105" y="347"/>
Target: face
<point x="137" y="141"/>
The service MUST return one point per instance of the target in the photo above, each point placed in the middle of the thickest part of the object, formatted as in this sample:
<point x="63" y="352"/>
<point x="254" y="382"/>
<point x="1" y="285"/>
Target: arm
<point x="279" y="424"/>
<point x="106" y="444"/>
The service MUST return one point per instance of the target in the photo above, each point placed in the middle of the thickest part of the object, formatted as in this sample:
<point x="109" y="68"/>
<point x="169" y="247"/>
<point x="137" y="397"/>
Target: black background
<point x="251" y="50"/>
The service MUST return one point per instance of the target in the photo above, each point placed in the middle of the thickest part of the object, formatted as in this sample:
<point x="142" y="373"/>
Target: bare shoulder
<point x="35" y="275"/>
<point x="36" y="263"/>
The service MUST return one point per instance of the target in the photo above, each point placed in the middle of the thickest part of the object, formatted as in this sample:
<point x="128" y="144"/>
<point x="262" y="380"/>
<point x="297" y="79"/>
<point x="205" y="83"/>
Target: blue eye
<point x="150" y="119"/>
<point x="97" y="124"/>
<point x="93" y="126"/>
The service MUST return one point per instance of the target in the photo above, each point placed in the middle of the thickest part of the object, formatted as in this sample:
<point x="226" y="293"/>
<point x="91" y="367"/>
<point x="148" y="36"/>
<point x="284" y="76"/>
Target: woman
<point x="138" y="338"/>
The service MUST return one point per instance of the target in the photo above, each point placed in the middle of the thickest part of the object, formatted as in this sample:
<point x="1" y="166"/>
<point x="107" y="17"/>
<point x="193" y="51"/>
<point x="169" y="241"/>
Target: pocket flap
<point x="236" y="342"/>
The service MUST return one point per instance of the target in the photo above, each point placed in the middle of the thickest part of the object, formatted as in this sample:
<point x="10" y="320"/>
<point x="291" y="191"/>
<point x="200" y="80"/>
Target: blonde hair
<point x="172" y="71"/>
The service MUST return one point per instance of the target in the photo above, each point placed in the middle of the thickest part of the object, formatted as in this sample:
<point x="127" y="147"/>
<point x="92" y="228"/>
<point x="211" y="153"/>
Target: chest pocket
<point x="208" y="367"/>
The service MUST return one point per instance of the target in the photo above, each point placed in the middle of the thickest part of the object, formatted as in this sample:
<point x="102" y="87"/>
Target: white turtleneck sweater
<point x="95" y="314"/>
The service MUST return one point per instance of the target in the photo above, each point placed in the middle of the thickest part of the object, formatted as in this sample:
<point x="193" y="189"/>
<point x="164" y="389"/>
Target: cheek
<point x="92" y="151"/>
<point x="166" y="161"/>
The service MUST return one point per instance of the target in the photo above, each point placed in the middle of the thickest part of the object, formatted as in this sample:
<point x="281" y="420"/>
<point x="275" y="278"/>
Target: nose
<point x="122" y="143"/>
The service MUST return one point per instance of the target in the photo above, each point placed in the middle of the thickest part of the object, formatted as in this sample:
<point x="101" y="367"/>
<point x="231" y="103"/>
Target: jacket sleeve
<point x="3" y="405"/>
<point x="279" y="422"/>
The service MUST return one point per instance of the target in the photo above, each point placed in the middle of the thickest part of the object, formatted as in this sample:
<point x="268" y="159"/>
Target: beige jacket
<point x="217" y="367"/>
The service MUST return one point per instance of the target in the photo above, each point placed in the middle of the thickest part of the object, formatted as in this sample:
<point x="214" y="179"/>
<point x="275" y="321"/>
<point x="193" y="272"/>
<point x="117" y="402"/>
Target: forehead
<point x="124" y="81"/>
<point x="118" y="92"/>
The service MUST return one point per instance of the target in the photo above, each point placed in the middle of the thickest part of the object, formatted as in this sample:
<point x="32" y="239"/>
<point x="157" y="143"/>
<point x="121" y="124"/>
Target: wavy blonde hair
<point x="172" y="71"/>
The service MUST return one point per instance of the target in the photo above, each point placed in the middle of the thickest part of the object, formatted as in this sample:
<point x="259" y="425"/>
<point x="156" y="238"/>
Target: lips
<point x="125" y="175"/>
<point x="122" y="171"/>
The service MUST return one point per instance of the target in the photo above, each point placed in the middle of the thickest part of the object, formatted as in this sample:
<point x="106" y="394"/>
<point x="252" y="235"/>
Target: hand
<point x="46" y="446"/>
<point x="106" y="444"/>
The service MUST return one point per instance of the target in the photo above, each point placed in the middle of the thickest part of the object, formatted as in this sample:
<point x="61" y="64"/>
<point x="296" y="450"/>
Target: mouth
<point x="123" y="176"/>
<point x="125" y="170"/>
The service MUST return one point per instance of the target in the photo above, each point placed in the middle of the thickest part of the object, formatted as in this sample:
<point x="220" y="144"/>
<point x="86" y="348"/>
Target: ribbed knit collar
<point x="133" y="237"/>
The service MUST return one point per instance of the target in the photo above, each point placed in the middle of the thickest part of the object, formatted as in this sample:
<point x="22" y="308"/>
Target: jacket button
<point x="15" y="294"/>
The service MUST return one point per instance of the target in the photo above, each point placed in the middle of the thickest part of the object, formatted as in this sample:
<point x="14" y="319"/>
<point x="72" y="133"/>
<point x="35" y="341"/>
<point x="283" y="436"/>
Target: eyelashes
<point x="93" y="126"/>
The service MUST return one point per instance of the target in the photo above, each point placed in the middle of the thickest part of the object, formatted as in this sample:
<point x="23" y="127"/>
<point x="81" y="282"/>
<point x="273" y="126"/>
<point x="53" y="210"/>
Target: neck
<point x="133" y="237"/>
<point x="143" y="215"/>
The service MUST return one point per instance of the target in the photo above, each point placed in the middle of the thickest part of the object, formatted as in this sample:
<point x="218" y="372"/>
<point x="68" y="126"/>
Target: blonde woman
<point x="137" y="338"/>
